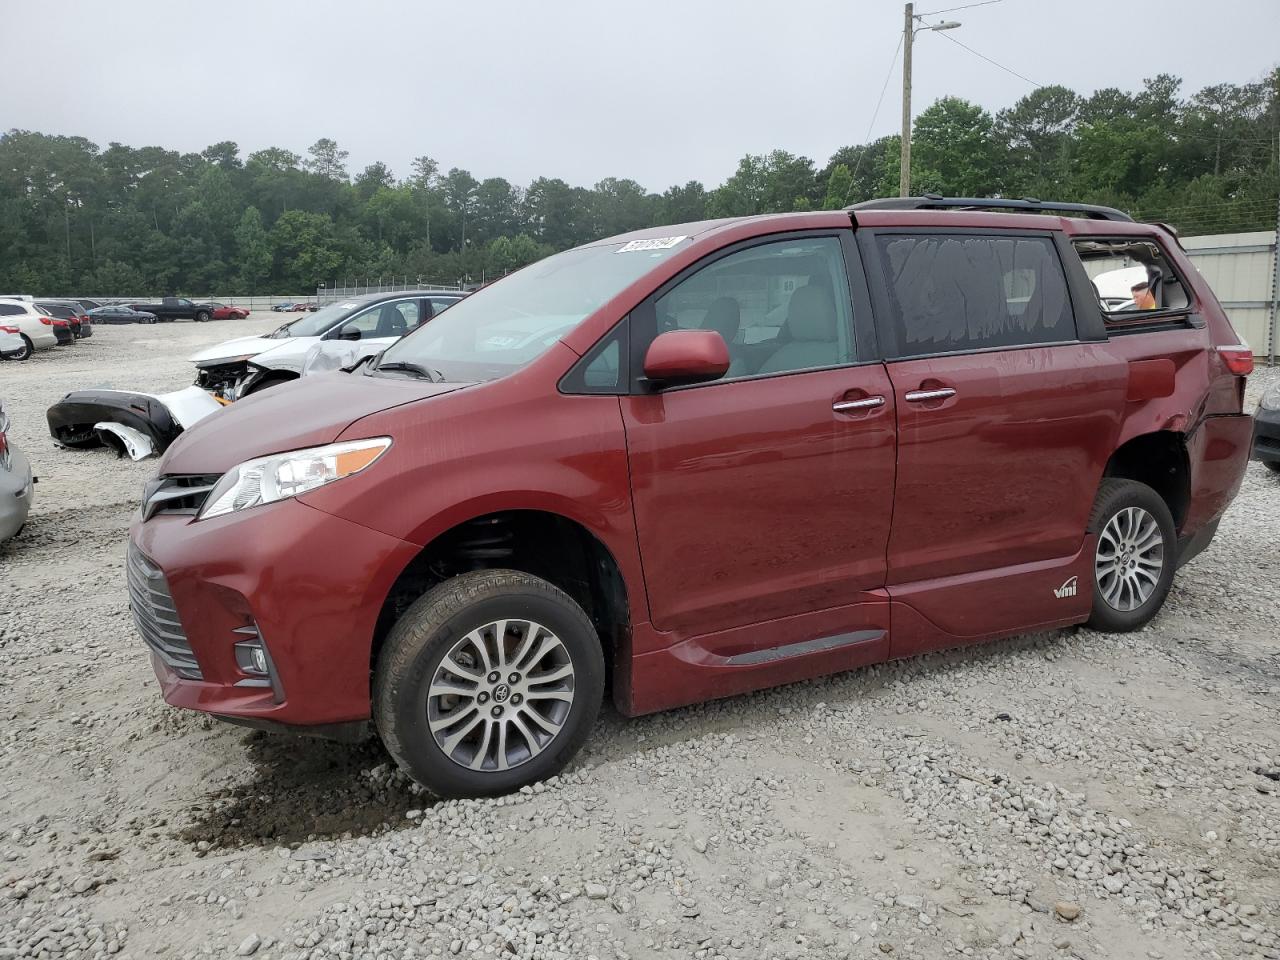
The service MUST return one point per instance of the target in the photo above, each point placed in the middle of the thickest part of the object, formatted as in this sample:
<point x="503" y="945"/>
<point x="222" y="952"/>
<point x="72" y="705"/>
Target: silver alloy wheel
<point x="501" y="695"/>
<point x="1129" y="559"/>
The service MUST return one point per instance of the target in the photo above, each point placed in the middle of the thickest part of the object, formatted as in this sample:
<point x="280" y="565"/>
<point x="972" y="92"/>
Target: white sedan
<point x="32" y="327"/>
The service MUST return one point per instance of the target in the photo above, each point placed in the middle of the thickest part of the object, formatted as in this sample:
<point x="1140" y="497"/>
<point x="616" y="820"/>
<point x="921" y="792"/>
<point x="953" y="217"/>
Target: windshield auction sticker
<point x="657" y="243"/>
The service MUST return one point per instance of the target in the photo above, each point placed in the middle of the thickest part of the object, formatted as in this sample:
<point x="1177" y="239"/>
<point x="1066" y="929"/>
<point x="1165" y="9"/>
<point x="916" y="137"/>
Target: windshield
<point x="506" y="325"/>
<point x="318" y="322"/>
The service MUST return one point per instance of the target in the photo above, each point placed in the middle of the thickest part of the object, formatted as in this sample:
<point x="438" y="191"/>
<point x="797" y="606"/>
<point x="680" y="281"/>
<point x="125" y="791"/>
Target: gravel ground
<point x="1056" y="795"/>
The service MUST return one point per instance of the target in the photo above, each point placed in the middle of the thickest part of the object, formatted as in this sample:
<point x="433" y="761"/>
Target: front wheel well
<point x="547" y="545"/>
<point x="1160" y="461"/>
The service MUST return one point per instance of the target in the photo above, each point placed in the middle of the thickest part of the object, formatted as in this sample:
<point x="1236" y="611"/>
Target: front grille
<point x="183" y="494"/>
<point x="156" y="616"/>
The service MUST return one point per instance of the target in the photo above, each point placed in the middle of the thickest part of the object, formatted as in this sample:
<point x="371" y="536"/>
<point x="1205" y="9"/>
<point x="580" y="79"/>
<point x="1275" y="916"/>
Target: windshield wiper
<point x="414" y="368"/>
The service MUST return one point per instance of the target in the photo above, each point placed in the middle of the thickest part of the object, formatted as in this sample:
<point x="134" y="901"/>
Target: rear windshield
<point x="506" y="325"/>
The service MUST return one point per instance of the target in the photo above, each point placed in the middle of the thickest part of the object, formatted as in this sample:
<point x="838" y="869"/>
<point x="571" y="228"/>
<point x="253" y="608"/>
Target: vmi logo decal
<point x="1068" y="589"/>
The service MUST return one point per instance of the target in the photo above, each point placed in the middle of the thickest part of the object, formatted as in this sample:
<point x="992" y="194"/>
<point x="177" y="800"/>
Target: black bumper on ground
<point x="1266" y="435"/>
<point x="71" y="419"/>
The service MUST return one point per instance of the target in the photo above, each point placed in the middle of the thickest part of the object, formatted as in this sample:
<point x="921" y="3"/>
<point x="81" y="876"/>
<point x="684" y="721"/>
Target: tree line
<point x="75" y="218"/>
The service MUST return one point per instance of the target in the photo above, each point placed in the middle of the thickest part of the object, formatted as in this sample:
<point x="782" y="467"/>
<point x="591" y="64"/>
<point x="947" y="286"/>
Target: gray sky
<point x="662" y="91"/>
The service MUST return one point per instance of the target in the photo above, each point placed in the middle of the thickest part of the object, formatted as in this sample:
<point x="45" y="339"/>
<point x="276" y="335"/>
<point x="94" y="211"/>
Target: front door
<point x="767" y="494"/>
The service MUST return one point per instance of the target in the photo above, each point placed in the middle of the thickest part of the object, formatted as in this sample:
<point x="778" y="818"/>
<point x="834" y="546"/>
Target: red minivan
<point x="694" y="461"/>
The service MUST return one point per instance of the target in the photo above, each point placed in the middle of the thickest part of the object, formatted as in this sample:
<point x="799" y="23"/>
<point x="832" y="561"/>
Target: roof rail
<point x="933" y="201"/>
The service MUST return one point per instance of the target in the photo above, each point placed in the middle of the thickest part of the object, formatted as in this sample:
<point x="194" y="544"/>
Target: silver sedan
<point x="16" y="490"/>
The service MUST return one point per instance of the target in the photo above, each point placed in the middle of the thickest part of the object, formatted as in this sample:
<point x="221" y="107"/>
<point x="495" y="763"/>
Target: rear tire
<point x="28" y="349"/>
<point x="1135" y="557"/>
<point x="1272" y="465"/>
<point x="512" y="720"/>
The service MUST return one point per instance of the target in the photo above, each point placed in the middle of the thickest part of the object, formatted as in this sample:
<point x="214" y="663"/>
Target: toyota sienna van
<point x="694" y="461"/>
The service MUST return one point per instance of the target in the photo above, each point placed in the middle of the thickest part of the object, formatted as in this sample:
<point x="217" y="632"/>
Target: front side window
<point x="392" y="319"/>
<point x="951" y="293"/>
<point x="780" y="306"/>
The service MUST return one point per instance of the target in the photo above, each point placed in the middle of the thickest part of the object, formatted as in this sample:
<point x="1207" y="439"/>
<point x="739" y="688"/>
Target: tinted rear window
<point x="954" y="293"/>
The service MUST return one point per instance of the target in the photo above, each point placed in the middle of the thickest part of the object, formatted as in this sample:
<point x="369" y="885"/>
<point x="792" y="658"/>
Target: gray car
<point x="16" y="491"/>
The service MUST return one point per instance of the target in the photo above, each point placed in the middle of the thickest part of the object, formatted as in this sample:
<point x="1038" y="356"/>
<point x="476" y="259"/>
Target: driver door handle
<point x="866" y="403"/>
<point x="922" y="396"/>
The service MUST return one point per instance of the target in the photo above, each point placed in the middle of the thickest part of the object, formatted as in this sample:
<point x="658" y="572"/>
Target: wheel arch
<point x="545" y="543"/>
<point x="1160" y="460"/>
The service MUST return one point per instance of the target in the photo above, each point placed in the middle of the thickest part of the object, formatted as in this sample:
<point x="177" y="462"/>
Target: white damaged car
<point x="245" y="365"/>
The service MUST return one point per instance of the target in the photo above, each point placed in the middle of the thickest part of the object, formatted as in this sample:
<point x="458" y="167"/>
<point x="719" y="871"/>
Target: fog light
<point x="251" y="658"/>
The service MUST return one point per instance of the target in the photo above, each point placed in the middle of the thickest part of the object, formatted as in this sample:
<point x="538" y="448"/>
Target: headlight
<point x="284" y="475"/>
<point x="1271" y="399"/>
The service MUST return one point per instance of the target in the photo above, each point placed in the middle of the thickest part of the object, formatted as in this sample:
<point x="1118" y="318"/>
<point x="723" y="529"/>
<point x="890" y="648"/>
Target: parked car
<point x="70" y="311"/>
<point x="718" y="456"/>
<point x="283" y="307"/>
<point x="88" y="304"/>
<point x="277" y="358"/>
<point x="17" y="488"/>
<point x="176" y="308"/>
<point x="12" y="346"/>
<point x="120" y="314"/>
<point x="34" y="326"/>
<point x="1266" y="429"/>
<point x="305" y="307"/>
<point x="222" y="311"/>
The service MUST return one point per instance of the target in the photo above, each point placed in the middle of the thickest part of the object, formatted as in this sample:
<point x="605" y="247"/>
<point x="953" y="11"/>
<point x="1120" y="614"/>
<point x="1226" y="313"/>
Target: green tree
<point x="839" y="186"/>
<point x="253" y="251"/>
<point x="327" y="160"/>
<point x="955" y="152"/>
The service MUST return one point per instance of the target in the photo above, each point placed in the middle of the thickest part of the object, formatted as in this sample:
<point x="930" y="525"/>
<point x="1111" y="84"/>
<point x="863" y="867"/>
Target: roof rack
<point x="933" y="201"/>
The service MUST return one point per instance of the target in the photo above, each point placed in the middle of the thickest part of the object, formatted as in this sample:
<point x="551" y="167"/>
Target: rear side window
<point x="1135" y="283"/>
<point x="955" y="293"/>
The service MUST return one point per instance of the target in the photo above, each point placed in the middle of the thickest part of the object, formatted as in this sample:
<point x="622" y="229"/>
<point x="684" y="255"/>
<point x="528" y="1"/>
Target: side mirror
<point x="349" y="333"/>
<point x="680" y="357"/>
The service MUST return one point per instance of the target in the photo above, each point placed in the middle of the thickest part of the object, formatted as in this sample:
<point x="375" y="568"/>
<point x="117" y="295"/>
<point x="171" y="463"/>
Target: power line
<point x="989" y="60"/>
<point x="875" y="113"/>
<point x="967" y="6"/>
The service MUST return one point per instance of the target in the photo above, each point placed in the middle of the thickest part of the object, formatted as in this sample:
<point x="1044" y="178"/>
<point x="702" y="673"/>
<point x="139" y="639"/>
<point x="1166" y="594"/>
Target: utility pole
<point x="909" y="31"/>
<point x="908" y="35"/>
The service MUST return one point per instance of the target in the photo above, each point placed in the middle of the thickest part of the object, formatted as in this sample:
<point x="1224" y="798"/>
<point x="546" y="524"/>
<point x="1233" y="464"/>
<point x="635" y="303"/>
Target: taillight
<point x="9" y="330"/>
<point x="47" y="321"/>
<point x="1238" y="358"/>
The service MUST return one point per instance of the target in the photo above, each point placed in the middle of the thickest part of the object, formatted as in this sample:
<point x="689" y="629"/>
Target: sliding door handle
<point x="866" y="403"/>
<point x="923" y="396"/>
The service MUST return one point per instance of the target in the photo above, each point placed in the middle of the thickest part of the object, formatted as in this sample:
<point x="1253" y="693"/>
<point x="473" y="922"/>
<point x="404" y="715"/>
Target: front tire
<point x="202" y="316"/>
<point x="1135" y="557"/>
<point x="490" y="681"/>
<point x="267" y="383"/>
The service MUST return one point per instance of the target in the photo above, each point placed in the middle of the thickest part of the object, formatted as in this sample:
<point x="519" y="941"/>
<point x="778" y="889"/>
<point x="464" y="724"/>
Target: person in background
<point x="1143" y="299"/>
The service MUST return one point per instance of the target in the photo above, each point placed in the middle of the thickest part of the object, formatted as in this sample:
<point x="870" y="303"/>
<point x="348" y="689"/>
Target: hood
<point x="286" y="354"/>
<point x="230" y="349"/>
<point x="308" y="413"/>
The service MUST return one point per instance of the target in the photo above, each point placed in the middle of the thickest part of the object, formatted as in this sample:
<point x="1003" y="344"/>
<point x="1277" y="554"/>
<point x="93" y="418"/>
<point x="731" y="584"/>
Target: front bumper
<point x="1266" y="435"/>
<point x="311" y="584"/>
